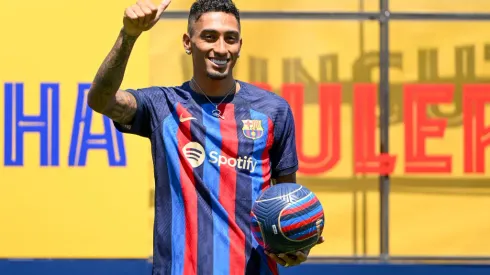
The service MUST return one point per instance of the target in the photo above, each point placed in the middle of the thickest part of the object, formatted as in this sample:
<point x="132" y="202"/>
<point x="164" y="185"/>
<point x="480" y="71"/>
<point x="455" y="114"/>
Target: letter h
<point x="17" y="123"/>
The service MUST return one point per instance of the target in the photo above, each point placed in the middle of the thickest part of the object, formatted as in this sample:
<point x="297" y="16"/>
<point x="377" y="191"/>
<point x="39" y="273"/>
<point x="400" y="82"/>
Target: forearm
<point x="110" y="74"/>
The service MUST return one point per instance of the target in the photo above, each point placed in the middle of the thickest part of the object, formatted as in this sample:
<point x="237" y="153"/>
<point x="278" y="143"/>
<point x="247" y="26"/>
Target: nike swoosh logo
<point x="184" y="119"/>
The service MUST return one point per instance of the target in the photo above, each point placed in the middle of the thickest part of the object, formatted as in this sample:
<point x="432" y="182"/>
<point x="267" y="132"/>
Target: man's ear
<point x="186" y="41"/>
<point x="241" y="43"/>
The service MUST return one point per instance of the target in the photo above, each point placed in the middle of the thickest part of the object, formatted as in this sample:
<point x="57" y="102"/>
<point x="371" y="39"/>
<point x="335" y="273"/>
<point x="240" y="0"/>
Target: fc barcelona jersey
<point x="209" y="171"/>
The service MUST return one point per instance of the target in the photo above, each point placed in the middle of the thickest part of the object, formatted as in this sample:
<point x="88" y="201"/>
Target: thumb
<point x="321" y="240"/>
<point x="162" y="7"/>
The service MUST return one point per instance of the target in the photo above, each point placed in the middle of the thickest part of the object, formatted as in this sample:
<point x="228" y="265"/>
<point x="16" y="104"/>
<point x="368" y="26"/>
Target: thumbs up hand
<point x="142" y="16"/>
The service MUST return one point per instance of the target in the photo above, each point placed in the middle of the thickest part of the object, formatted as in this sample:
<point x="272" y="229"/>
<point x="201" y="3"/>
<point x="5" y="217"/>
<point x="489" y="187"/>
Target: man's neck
<point x="213" y="87"/>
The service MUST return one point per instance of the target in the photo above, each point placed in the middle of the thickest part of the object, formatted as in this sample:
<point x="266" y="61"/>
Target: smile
<point x="219" y="62"/>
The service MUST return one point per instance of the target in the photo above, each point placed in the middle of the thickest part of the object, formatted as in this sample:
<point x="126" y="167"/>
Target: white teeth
<point x="219" y="62"/>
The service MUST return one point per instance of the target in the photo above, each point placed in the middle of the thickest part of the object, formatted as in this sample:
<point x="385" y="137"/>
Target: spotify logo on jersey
<point x="195" y="155"/>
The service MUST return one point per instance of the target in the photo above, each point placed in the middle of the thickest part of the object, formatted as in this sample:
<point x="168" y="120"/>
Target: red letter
<point x="329" y="99"/>
<point x="476" y="136"/>
<point x="418" y="127"/>
<point x="365" y="155"/>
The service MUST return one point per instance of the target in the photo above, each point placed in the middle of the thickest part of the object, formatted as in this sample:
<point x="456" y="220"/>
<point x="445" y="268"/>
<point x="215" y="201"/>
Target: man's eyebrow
<point x="215" y="31"/>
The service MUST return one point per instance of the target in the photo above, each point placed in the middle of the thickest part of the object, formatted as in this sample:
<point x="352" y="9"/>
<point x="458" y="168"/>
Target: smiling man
<point x="217" y="142"/>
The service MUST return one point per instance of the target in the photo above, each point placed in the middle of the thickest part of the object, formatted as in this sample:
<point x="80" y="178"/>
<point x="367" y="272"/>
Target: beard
<point x="217" y="75"/>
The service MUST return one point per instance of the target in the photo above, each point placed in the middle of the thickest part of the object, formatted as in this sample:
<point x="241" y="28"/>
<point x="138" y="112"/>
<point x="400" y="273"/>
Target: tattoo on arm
<point x="122" y="108"/>
<point x="111" y="72"/>
<point x="110" y="75"/>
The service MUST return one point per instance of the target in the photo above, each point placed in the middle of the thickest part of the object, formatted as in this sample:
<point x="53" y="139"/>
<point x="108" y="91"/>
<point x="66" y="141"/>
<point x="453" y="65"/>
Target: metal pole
<point x="285" y="15"/>
<point x="440" y="16"/>
<point x="360" y="16"/>
<point x="384" y="124"/>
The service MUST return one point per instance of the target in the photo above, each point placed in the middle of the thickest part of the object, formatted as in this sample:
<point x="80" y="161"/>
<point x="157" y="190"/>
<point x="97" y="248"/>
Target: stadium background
<point x="68" y="207"/>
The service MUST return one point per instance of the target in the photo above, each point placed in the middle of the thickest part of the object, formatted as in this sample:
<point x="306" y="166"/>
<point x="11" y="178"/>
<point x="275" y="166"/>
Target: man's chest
<point x="241" y="139"/>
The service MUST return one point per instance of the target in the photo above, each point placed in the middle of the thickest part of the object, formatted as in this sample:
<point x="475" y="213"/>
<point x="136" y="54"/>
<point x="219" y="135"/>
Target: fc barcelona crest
<point x="252" y="129"/>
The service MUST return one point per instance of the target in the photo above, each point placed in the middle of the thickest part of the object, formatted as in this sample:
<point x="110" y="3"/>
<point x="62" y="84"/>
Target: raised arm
<point x="105" y="95"/>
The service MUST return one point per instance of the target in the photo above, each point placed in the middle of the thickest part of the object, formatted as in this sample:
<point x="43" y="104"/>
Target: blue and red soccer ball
<point x="286" y="218"/>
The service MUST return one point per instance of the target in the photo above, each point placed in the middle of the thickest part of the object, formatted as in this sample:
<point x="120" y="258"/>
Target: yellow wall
<point x="70" y="211"/>
<point x="102" y="211"/>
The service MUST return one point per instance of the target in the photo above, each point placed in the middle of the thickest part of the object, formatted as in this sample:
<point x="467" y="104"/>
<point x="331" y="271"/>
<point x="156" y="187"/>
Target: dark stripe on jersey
<point x="220" y="238"/>
<point x="228" y="177"/>
<point x="204" y="212"/>
<point x="261" y="148"/>
<point x="267" y="183"/>
<point x="162" y="254"/>
<point x="266" y="157"/>
<point x="244" y="192"/>
<point x="170" y="126"/>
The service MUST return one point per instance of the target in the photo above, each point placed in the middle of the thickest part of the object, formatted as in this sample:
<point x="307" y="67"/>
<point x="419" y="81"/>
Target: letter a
<point x="83" y="140"/>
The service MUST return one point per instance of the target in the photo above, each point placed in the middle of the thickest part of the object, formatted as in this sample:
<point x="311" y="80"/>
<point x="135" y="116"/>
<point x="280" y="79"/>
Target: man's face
<point x="216" y="44"/>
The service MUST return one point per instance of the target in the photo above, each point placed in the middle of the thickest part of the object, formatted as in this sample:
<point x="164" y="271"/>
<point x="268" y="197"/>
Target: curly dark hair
<point x="203" y="6"/>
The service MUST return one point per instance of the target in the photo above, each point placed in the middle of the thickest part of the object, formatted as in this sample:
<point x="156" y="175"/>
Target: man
<point x="216" y="143"/>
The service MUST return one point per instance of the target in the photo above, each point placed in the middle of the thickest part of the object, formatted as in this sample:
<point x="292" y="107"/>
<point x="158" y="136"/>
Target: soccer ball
<point x="287" y="217"/>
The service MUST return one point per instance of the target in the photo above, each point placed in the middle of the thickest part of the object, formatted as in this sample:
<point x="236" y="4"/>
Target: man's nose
<point x="220" y="47"/>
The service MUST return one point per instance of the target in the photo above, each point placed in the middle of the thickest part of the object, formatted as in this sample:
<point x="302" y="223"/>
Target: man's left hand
<point x="291" y="259"/>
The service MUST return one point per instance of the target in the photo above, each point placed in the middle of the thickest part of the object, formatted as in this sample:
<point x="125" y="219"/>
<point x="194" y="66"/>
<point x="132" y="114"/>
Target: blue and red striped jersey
<point x="208" y="173"/>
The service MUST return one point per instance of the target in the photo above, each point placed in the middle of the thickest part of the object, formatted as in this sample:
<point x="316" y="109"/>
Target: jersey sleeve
<point x="284" y="158"/>
<point x="151" y="106"/>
